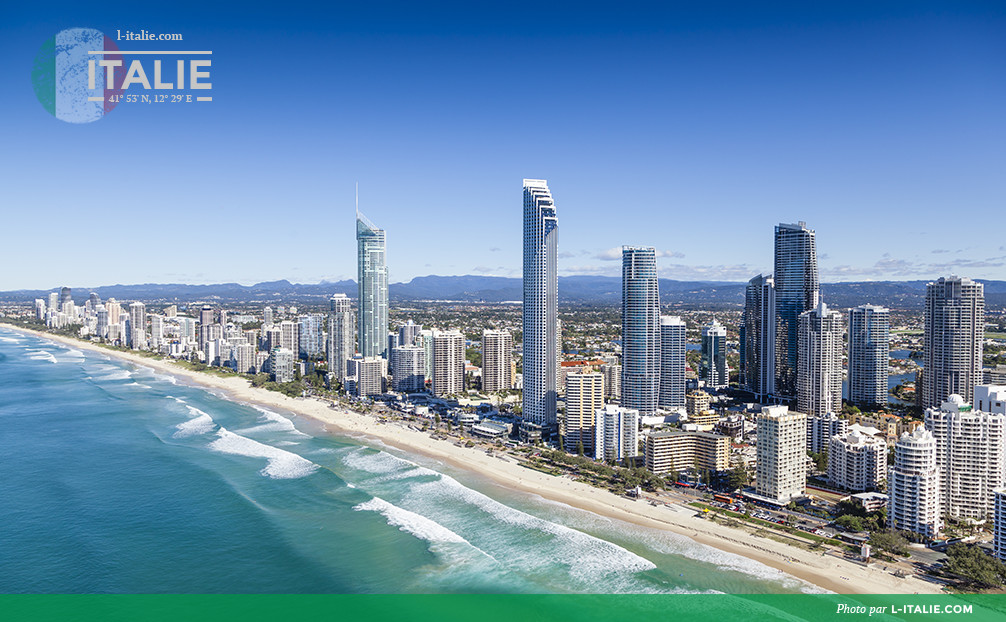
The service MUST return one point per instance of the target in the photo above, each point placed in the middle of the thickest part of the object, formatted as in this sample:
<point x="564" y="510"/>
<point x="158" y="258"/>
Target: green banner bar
<point x="500" y="608"/>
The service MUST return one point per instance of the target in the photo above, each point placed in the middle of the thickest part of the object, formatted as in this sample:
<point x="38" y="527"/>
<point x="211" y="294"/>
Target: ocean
<point x="115" y="478"/>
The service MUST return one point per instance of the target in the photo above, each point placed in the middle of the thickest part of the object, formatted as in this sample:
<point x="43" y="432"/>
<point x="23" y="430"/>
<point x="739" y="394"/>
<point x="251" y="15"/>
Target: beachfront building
<point x="616" y="434"/>
<point x="819" y="365"/>
<point x="310" y="337"/>
<point x="448" y="363"/>
<point x="953" y="340"/>
<point x="970" y="455"/>
<point x="408" y="369"/>
<point x="869" y="349"/>
<point x="280" y="363"/>
<point x="857" y="461"/>
<point x="820" y="429"/>
<point x="713" y="362"/>
<point x="757" y="337"/>
<point x="137" y="325"/>
<point x="672" y="362"/>
<point x="372" y="285"/>
<point x="369" y="372"/>
<point x="497" y="359"/>
<point x="584" y="396"/>
<point x="341" y="338"/>
<point x="541" y="305"/>
<point x="913" y="485"/>
<point x="640" y="330"/>
<point x="677" y="450"/>
<point x="242" y="358"/>
<point x="781" y="454"/>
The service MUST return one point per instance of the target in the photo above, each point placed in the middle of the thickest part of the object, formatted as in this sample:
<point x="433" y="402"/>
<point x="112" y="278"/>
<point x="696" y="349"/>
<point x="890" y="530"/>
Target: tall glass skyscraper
<point x="869" y="350"/>
<point x="758" y="337"/>
<point x="953" y="341"/>
<point x="713" y="368"/>
<point x="819" y="380"/>
<point x="672" y="362"/>
<point x="541" y="304"/>
<point x="341" y="342"/>
<point x="640" y="330"/>
<point x="796" y="291"/>
<point x="373" y="287"/>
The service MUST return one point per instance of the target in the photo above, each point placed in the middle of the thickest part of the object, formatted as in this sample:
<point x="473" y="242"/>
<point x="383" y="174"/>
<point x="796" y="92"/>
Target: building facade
<point x="341" y="344"/>
<point x="541" y="304"/>
<point x="953" y="339"/>
<point x="781" y="454"/>
<point x="640" y="330"/>
<point x="584" y="397"/>
<point x="408" y="365"/>
<point x="819" y="366"/>
<point x="673" y="344"/>
<point x="757" y="337"/>
<point x="448" y="363"/>
<point x="796" y="291"/>
<point x="372" y="284"/>
<point x="869" y="350"/>
<point x="857" y="461"/>
<point x="616" y="433"/>
<point x="913" y="486"/>
<point x="497" y="356"/>
<point x="713" y="366"/>
<point x="677" y="450"/>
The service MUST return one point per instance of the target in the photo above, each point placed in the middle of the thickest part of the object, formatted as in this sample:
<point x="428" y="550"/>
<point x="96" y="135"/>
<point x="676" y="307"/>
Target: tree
<point x="890" y="541"/>
<point x="579" y="448"/>
<point x="738" y="477"/>
<point x="974" y="566"/>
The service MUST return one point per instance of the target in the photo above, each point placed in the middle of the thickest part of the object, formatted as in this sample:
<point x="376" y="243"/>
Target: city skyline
<point x="832" y="115"/>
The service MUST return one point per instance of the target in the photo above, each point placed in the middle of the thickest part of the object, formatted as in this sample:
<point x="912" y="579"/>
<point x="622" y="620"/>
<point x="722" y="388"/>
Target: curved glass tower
<point x="373" y="287"/>
<point x="541" y="304"/>
<point x="640" y="329"/>
<point x="796" y="291"/>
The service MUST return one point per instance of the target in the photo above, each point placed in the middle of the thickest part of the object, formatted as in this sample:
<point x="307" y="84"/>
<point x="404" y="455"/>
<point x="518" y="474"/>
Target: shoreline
<point x="817" y="569"/>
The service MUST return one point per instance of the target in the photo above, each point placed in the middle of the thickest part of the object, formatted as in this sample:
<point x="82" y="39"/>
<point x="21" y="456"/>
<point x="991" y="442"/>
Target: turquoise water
<point x="114" y="478"/>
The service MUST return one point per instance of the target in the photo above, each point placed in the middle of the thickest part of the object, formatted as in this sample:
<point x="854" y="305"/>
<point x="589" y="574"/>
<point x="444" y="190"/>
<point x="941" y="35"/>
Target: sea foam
<point x="281" y="464"/>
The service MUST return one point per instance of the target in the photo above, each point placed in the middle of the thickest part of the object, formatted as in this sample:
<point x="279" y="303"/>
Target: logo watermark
<point x="80" y="75"/>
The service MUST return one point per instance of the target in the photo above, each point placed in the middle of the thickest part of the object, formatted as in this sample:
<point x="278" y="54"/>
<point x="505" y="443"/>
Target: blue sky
<point x="690" y="128"/>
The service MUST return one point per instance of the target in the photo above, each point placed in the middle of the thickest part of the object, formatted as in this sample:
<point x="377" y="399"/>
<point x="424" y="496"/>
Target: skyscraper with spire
<point x="541" y="304"/>
<point x="796" y="290"/>
<point x="372" y="281"/>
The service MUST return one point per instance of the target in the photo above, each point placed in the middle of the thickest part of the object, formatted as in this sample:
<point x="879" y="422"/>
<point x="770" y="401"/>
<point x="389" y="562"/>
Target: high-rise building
<point x="869" y="350"/>
<point x="781" y="454"/>
<point x="999" y="524"/>
<point x="757" y="339"/>
<point x="392" y="344"/>
<point x="672" y="362"/>
<point x="448" y="363"/>
<point x="616" y="433"/>
<point x="713" y="368"/>
<point x="819" y="375"/>
<point x="137" y="325"/>
<point x="497" y="354"/>
<point x="820" y="429"/>
<point x="267" y="316"/>
<point x="102" y="326"/>
<point x="289" y="336"/>
<point x="341" y="337"/>
<point x="281" y="364"/>
<point x="584" y="396"/>
<point x="612" y="381"/>
<point x="243" y="358"/>
<point x="425" y="340"/>
<point x="640" y="330"/>
<point x="156" y="331"/>
<point x="953" y="339"/>
<point x="205" y="321"/>
<point x="408" y="368"/>
<point x="372" y="283"/>
<point x="796" y="291"/>
<point x="970" y="454"/>
<point x="64" y="296"/>
<point x="310" y="336"/>
<point x="407" y="333"/>
<point x="370" y="376"/>
<point x="857" y="461"/>
<point x="913" y="485"/>
<point x="541" y="304"/>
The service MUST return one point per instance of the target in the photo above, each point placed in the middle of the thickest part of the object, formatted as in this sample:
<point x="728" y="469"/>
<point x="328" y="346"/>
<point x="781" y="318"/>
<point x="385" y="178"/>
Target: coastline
<point x="824" y="571"/>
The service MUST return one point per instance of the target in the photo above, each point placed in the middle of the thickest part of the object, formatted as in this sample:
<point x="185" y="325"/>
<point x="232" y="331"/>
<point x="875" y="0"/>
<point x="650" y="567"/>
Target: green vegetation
<point x="853" y="517"/>
<point x="974" y="566"/>
<point x="890" y="541"/>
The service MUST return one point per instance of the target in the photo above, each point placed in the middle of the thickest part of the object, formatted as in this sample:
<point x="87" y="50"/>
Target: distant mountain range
<point x="492" y="289"/>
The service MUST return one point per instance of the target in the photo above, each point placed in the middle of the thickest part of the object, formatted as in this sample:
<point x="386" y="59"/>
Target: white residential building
<point x="584" y="396"/>
<point x="448" y="363"/>
<point x="970" y="455"/>
<point x="781" y="453"/>
<point x="857" y="461"/>
<point x="913" y="485"/>
<point x="819" y="365"/>
<point x="820" y="429"/>
<point x="408" y="364"/>
<point x="616" y="435"/>
<point x="497" y="356"/>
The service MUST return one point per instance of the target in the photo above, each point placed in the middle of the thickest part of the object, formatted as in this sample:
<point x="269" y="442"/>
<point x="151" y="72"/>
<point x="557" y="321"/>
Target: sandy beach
<point x="825" y="571"/>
